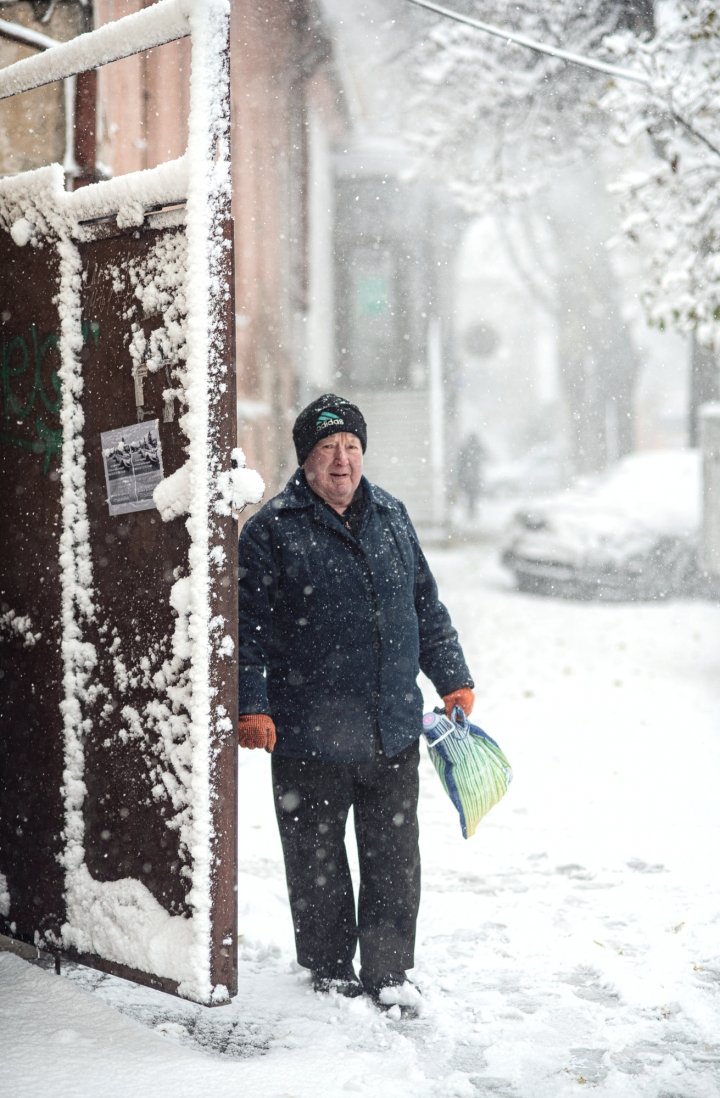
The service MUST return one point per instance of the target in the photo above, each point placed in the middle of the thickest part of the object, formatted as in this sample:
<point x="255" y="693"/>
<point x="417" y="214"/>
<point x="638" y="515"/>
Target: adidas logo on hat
<point x="329" y="419"/>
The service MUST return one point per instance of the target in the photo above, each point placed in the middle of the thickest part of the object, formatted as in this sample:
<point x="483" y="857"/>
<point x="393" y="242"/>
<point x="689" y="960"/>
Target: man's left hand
<point x="256" y="730"/>
<point x="464" y="697"/>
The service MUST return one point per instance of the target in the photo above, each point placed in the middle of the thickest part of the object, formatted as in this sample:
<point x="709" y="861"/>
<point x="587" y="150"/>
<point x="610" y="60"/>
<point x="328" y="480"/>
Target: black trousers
<point x="312" y="803"/>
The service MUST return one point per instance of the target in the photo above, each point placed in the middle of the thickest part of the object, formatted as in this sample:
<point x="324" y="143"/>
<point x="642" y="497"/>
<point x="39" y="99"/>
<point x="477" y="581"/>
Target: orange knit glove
<point x="256" y="730"/>
<point x="464" y="697"/>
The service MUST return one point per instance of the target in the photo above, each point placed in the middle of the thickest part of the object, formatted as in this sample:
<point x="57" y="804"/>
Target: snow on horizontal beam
<point x="164" y="185"/>
<point x="164" y="22"/>
<point x="130" y="195"/>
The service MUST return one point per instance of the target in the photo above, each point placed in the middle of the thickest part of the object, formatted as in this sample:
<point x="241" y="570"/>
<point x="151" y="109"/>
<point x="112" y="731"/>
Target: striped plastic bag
<point x="473" y="769"/>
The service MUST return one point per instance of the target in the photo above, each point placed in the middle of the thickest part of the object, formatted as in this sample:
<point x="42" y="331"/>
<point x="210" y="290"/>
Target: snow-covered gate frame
<point x="117" y="741"/>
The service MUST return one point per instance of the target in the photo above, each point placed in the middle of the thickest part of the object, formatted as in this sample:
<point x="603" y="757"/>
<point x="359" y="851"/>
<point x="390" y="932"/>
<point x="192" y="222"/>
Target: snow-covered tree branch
<point x="493" y="117"/>
<point x="672" y="208"/>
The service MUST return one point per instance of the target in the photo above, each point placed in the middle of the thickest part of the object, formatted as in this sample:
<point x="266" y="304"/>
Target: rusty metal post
<point x="85" y="129"/>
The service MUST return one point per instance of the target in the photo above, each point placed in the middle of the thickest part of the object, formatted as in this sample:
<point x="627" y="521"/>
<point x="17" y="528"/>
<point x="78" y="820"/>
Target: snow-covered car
<point x="629" y="533"/>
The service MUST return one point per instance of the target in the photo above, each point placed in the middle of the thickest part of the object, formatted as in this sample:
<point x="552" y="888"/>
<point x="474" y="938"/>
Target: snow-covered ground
<point x="573" y="944"/>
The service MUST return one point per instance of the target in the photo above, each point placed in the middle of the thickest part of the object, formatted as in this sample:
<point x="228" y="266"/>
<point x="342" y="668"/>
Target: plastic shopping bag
<point x="472" y="768"/>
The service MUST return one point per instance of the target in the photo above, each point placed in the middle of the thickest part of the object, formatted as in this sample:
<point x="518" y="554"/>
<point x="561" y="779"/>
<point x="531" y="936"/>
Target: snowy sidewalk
<point x="571" y="945"/>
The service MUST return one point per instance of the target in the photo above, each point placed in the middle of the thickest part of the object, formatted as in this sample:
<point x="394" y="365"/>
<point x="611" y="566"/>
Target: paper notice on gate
<point x="133" y="466"/>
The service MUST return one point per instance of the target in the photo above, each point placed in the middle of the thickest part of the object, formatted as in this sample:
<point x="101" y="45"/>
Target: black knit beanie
<point x="326" y="416"/>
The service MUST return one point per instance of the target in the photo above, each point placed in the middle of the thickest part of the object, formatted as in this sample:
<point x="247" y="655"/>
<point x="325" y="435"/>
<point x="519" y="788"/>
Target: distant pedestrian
<point x="470" y="467"/>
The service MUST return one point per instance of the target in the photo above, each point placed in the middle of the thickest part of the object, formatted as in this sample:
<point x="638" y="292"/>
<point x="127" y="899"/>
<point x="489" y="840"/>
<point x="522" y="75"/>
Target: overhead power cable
<point x="530" y="44"/>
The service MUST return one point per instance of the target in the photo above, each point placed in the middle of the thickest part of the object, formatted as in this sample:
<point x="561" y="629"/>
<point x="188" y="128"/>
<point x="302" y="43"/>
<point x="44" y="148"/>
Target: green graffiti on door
<point x="30" y="391"/>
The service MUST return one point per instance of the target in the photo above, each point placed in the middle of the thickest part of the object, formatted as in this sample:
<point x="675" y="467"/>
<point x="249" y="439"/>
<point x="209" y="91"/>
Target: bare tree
<point x="672" y="206"/>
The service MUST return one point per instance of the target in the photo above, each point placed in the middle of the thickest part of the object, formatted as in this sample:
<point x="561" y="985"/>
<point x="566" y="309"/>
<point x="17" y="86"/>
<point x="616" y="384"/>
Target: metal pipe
<point x="80" y="159"/>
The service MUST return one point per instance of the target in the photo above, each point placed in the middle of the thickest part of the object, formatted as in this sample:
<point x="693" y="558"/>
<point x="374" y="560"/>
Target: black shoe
<point x="395" y="993"/>
<point x="343" y="982"/>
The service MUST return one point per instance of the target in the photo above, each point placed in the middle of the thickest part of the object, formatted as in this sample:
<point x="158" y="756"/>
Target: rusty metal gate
<point x="117" y="557"/>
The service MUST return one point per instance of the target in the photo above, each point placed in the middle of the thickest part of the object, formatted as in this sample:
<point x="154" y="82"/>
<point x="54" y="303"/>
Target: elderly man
<point x="338" y="613"/>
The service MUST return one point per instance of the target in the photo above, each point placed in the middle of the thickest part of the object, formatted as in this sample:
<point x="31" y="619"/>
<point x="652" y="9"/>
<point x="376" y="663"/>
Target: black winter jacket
<point x="334" y="628"/>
